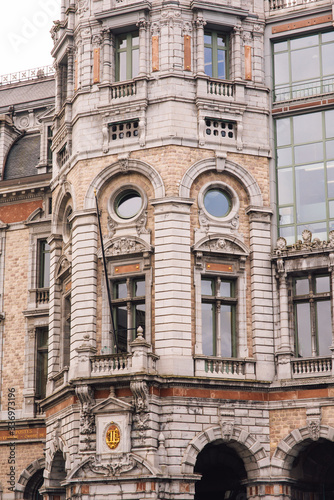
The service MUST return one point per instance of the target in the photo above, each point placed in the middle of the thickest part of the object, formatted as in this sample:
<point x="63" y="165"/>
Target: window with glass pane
<point x="218" y="317"/>
<point x="216" y="54"/>
<point x="41" y="361"/>
<point x="312" y="310"/>
<point x="305" y="174"/>
<point x="128" y="306"/>
<point x="304" y="66"/>
<point x="44" y="265"/>
<point x="127" y="56"/>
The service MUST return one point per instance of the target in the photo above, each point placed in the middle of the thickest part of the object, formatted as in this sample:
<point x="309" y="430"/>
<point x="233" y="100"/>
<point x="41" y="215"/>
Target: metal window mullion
<point x="314" y="341"/>
<point x="290" y="69"/>
<point x="214" y="52"/>
<point x="217" y="341"/>
<point x="321" y="76"/>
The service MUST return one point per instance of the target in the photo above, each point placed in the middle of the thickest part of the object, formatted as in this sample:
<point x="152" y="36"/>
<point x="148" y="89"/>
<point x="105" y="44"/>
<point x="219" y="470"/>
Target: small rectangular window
<point x="41" y="362"/>
<point x="49" y="146"/>
<point x="44" y="264"/>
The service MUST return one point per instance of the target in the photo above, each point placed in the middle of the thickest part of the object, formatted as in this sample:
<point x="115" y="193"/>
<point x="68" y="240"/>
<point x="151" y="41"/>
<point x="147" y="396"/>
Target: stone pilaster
<point x="173" y="286"/>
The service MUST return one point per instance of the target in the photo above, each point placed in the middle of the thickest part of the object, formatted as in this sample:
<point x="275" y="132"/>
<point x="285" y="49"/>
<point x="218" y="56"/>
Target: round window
<point x="217" y="202"/>
<point x="128" y="204"/>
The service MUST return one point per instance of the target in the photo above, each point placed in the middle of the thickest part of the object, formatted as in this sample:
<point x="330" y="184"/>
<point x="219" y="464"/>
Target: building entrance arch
<point x="223" y="473"/>
<point x="312" y="471"/>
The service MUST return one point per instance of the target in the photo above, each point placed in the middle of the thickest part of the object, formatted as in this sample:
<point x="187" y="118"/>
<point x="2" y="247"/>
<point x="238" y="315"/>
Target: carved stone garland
<point x="87" y="419"/>
<point x="141" y="418"/>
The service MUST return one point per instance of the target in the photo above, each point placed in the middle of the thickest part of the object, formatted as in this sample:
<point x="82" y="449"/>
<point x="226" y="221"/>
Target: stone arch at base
<point x="57" y="445"/>
<point x="26" y="475"/>
<point x="65" y="193"/>
<point x="221" y="165"/>
<point x="248" y="448"/>
<point x="124" y="166"/>
<point x="289" y="447"/>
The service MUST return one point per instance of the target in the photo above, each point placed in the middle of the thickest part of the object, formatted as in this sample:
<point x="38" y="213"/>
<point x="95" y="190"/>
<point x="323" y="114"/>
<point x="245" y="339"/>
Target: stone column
<point x="173" y="341"/>
<point x="58" y="87"/>
<point x="237" y="56"/>
<point x="70" y="72"/>
<point x="284" y="352"/>
<point x="106" y="68"/>
<point x="55" y="242"/>
<point x="84" y="282"/>
<point x="199" y="24"/>
<point x="143" y="26"/>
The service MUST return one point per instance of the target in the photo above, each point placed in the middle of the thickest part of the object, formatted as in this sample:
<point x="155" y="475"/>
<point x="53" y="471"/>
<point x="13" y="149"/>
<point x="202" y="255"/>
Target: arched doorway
<point x="313" y="471"/>
<point x="31" y="491"/>
<point x="223" y="473"/>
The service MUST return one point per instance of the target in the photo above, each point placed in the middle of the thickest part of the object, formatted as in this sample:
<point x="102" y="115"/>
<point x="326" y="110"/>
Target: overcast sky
<point x="25" y="40"/>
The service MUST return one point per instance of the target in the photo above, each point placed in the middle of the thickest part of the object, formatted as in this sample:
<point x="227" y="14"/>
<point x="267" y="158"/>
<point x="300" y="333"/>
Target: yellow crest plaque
<point x="113" y="436"/>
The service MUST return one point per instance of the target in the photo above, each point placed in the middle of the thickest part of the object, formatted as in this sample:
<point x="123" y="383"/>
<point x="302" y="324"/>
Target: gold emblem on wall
<point x="113" y="436"/>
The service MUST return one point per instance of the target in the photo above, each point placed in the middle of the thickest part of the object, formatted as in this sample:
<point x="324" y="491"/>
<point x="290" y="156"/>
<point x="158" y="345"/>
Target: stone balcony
<point x="284" y="6"/>
<point x="216" y="367"/>
<point x="311" y="367"/>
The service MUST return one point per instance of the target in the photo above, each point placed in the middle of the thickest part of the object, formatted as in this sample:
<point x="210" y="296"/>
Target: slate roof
<point x="23" y="157"/>
<point x="28" y="92"/>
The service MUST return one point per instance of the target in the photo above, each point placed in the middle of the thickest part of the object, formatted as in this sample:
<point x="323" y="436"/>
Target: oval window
<point x="217" y="202"/>
<point x="128" y="204"/>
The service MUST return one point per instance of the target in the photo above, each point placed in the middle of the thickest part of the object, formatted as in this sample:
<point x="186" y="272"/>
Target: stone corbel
<point x="86" y="398"/>
<point x="139" y="390"/>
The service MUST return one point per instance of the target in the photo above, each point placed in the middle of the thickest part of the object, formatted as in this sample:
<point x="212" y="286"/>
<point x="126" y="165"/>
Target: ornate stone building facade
<point x="189" y="343"/>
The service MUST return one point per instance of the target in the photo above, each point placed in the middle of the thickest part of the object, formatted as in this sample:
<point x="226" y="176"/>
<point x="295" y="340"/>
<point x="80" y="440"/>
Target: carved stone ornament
<point x="124" y="246"/>
<point x="116" y="466"/>
<point x="87" y="419"/>
<point x="142" y="24"/>
<point x="141" y="224"/>
<point x="139" y="390"/>
<point x="221" y="245"/>
<point x="227" y="422"/>
<point x="119" y="464"/>
<point x="83" y="6"/>
<point x="199" y="23"/>
<point x="313" y="420"/>
<point x="306" y="244"/>
<point x="141" y="424"/>
<point x="111" y="226"/>
<point x="203" y="220"/>
<point x="187" y="28"/>
<point x="97" y="39"/>
<point x="169" y="17"/>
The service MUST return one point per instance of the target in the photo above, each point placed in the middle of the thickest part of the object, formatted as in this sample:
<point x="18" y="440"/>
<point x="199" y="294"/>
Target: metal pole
<point x="114" y="331"/>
